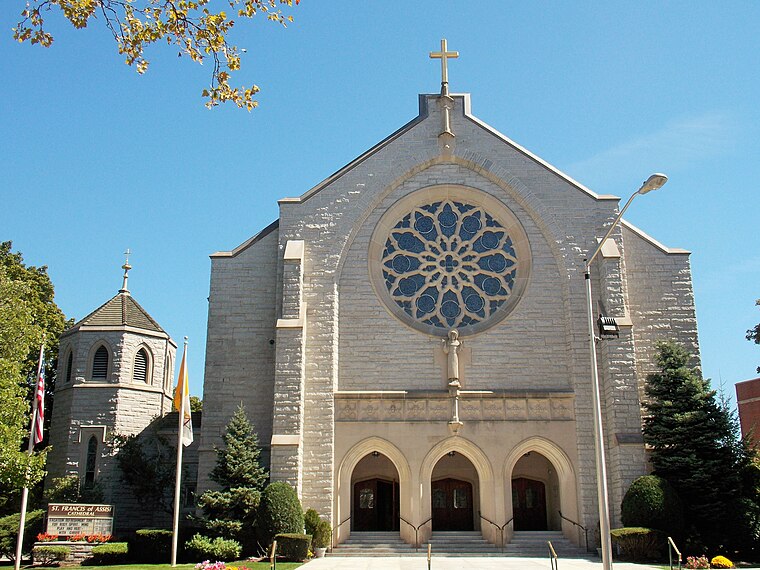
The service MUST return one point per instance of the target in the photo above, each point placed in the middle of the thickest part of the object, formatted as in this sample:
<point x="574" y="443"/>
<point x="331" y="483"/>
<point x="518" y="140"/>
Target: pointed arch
<point x="142" y="365"/>
<point x="346" y="468"/>
<point x="568" y="495"/>
<point x="489" y="492"/>
<point x="100" y="362"/>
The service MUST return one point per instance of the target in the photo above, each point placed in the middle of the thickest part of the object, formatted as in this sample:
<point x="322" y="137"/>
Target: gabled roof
<point x="121" y="310"/>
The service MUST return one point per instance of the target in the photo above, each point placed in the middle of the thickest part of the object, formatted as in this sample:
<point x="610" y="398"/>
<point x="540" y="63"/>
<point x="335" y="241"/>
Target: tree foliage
<point x="196" y="404"/>
<point x="199" y="29"/>
<point x="695" y="446"/>
<point x="280" y="512"/>
<point x="651" y="502"/>
<point x="148" y="464"/>
<point x="753" y="334"/>
<point x="230" y="512"/>
<point x="28" y="314"/>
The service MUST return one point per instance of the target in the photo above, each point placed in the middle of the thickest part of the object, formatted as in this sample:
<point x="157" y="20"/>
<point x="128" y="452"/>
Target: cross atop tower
<point x="443" y="55"/>
<point x="126" y="267"/>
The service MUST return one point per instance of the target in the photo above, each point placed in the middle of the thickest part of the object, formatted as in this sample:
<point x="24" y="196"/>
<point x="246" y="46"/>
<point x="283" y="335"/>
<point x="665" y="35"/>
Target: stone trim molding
<point x="481" y="405"/>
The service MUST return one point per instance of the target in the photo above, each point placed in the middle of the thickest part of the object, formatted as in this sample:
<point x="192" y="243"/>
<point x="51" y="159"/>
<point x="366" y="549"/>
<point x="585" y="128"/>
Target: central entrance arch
<point x="454" y="489"/>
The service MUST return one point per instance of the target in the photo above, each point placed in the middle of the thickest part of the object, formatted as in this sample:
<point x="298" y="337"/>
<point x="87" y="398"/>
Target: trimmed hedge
<point x="637" y="543"/>
<point x="293" y="547"/>
<point x="218" y="548"/>
<point x="47" y="555"/>
<point x="280" y="512"/>
<point x="9" y="532"/>
<point x="152" y="544"/>
<point x="651" y="502"/>
<point x="110" y="553"/>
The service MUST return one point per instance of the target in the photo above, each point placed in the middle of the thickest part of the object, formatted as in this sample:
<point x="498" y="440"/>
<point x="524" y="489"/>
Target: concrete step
<point x="373" y="544"/>
<point x="533" y="544"/>
<point x="461" y="543"/>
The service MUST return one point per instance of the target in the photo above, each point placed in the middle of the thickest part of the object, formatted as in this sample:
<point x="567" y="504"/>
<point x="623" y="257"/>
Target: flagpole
<point x="178" y="476"/>
<point x="29" y="451"/>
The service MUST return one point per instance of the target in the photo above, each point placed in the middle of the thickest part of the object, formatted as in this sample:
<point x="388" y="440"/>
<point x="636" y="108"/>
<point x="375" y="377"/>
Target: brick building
<point x="748" y="401"/>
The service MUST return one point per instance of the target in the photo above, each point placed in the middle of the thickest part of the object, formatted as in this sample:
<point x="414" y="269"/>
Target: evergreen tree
<point x="230" y="512"/>
<point x="694" y="446"/>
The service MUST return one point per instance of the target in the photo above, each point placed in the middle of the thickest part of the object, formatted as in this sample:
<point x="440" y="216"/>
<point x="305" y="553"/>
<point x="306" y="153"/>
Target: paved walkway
<point x="459" y="563"/>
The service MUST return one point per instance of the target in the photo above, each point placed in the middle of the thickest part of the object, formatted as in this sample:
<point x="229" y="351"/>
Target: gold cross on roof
<point x="443" y="55"/>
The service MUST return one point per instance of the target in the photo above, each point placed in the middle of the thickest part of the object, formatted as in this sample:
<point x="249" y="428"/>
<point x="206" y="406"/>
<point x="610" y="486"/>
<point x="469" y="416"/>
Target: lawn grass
<point x="247" y="564"/>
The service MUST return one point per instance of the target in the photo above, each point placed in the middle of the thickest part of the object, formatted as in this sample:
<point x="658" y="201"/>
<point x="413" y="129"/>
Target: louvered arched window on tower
<point x="140" y="370"/>
<point x="100" y="364"/>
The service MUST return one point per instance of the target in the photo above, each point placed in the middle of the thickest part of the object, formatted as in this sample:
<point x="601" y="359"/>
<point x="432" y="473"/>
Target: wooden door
<point x="529" y="504"/>
<point x="375" y="506"/>
<point x="451" y="505"/>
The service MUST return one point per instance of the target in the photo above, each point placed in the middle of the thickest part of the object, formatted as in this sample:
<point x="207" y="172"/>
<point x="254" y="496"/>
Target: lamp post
<point x="654" y="182"/>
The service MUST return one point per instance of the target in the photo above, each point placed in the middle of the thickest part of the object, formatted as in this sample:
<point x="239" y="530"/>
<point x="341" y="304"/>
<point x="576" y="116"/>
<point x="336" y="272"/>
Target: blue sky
<point x="95" y="159"/>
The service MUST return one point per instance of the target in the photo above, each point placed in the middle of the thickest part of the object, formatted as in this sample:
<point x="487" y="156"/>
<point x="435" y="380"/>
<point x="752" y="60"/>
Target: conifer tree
<point x="694" y="445"/>
<point x="230" y="512"/>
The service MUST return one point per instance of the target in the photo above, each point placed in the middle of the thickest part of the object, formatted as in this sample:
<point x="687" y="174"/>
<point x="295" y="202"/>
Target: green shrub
<point x="323" y="535"/>
<point x="110" y="553"/>
<point x="280" y="512"/>
<point x="293" y="547"/>
<point x="638" y="543"/>
<point x="9" y="532"/>
<point x="220" y="549"/>
<point x="319" y="529"/>
<point x="47" y="555"/>
<point x="152" y="544"/>
<point x="310" y="521"/>
<point x="651" y="502"/>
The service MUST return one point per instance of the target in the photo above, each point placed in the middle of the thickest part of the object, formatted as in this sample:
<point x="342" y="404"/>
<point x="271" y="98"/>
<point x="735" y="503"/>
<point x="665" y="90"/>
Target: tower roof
<point x="120" y="310"/>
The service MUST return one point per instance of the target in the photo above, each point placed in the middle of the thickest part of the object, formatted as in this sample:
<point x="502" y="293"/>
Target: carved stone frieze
<point x="357" y="406"/>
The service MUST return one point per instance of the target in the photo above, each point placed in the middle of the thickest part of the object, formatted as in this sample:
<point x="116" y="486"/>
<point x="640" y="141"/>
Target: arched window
<point x="168" y="374"/>
<point x="92" y="456"/>
<point x="140" y="369"/>
<point x="100" y="364"/>
<point x="69" y="366"/>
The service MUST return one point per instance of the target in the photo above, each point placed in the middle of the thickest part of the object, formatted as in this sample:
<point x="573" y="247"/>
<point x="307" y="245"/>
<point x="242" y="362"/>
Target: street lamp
<point x="654" y="182"/>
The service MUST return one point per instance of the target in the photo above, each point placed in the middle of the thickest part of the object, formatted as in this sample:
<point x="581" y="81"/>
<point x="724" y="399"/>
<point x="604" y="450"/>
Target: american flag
<point x="39" y="413"/>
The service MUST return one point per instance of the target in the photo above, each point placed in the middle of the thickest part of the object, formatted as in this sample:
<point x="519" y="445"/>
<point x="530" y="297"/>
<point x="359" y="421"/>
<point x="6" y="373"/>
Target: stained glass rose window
<point x="449" y="264"/>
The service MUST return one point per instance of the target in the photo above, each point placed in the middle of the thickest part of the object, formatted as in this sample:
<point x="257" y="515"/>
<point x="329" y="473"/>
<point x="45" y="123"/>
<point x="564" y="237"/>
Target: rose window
<point x="449" y="264"/>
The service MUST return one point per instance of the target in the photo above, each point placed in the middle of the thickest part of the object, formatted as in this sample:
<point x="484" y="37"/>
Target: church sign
<point x="72" y="519"/>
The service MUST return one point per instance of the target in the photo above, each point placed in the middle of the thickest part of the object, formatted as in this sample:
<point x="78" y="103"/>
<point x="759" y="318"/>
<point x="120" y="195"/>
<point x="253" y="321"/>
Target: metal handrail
<point x="416" y="533"/>
<point x="415" y="530"/>
<point x="579" y="525"/>
<point x="552" y="556"/>
<point x="332" y="536"/>
<point x="501" y="528"/>
<point x="671" y="547"/>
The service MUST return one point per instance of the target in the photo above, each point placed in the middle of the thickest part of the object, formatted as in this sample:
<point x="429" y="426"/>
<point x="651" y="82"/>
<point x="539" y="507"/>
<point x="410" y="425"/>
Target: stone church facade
<point x="332" y="326"/>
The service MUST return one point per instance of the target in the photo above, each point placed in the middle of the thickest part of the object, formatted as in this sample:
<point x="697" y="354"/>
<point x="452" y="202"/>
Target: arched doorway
<point x="535" y="494"/>
<point x="375" y="494"/>
<point x="454" y="493"/>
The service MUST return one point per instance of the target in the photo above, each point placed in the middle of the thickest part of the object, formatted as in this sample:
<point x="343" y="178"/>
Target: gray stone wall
<point x="119" y="405"/>
<point x="240" y="346"/>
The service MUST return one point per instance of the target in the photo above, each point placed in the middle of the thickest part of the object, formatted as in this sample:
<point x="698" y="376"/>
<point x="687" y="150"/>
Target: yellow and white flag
<point x="182" y="401"/>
